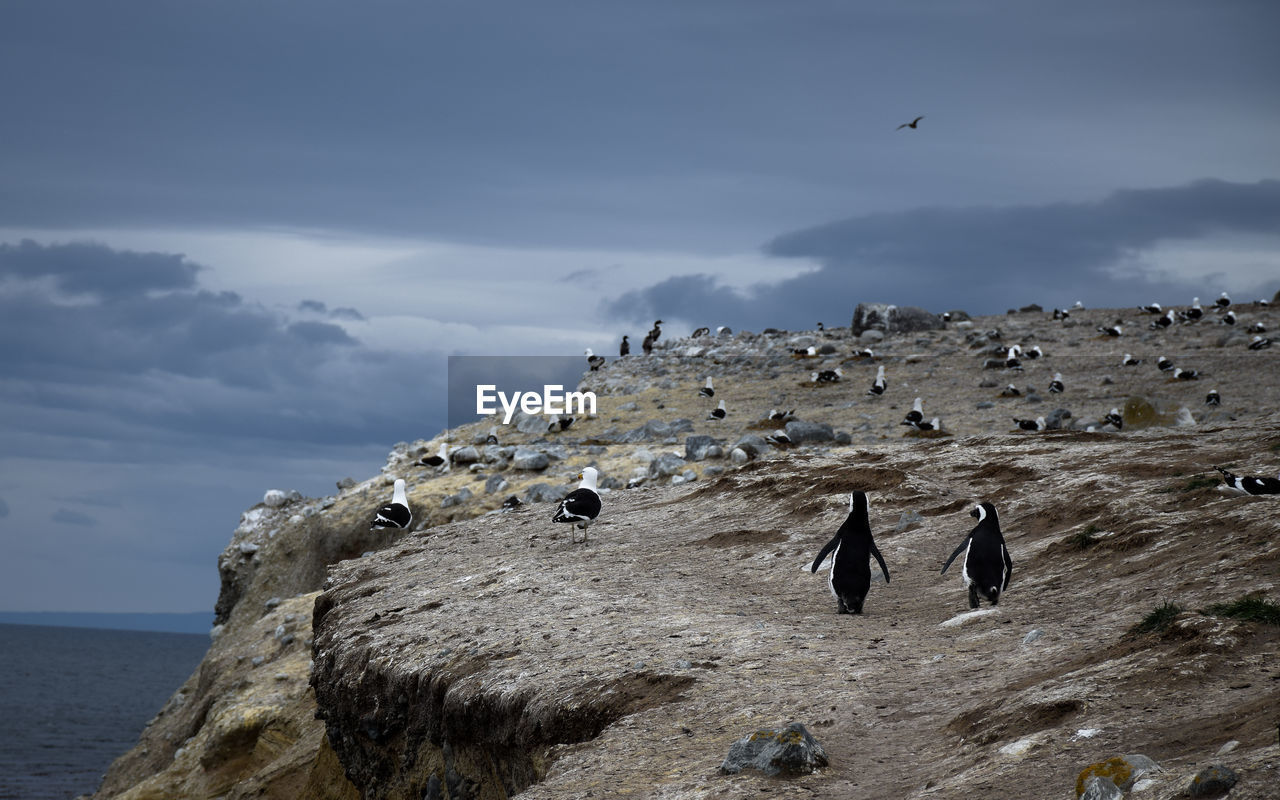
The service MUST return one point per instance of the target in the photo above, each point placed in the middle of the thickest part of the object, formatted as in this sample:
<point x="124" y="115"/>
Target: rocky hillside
<point x="482" y="654"/>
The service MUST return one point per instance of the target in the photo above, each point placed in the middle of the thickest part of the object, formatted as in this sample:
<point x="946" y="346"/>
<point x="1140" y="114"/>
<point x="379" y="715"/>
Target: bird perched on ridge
<point x="395" y="514"/>
<point x="1194" y="313"/>
<point x="594" y="362"/>
<point x="1114" y="418"/>
<point x="851" y="550"/>
<point x="1154" y="308"/>
<point x="624" y="348"/>
<point x="1223" y="301"/>
<point x="1010" y="391"/>
<point x="439" y="461"/>
<point x="1130" y="361"/>
<point x="1163" y="321"/>
<point x="1110" y="330"/>
<point x="826" y="376"/>
<point x="1228" y="318"/>
<point x="647" y="345"/>
<point x="987" y="567"/>
<point x="1186" y="374"/>
<point x="581" y="506"/>
<point x="916" y="414"/>
<point x="1164" y="364"/>
<point x="1259" y="343"/>
<point x="657" y="331"/>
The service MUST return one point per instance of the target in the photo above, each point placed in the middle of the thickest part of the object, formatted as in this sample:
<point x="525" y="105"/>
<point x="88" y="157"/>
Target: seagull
<point x="1010" y="391"/>
<point x="1223" y="301"/>
<point x="1259" y="343"/>
<point x="779" y="439"/>
<point x="440" y="460"/>
<point x="1186" y="374"/>
<point x="1130" y="361"/>
<point x="782" y="416"/>
<point x="594" y="361"/>
<point x="1154" y="308"/>
<point x="395" y="514"/>
<point x="1164" y="364"/>
<point x="1257" y="327"/>
<point x="880" y="384"/>
<point x="581" y="506"/>
<point x="1037" y="424"/>
<point x="912" y="124"/>
<point x="826" y="376"/>
<point x="1213" y="398"/>
<point x="708" y="390"/>
<point x="916" y="414"/>
<point x="1110" y="330"/>
<point x="718" y="412"/>
<point x="1033" y="352"/>
<point x="1055" y="385"/>
<point x="1228" y="318"/>
<point x="1163" y="321"/>
<point x="1113" y="417"/>
<point x="1250" y="485"/>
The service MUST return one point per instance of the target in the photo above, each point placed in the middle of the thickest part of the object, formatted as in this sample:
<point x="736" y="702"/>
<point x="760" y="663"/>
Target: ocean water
<point x="74" y="699"/>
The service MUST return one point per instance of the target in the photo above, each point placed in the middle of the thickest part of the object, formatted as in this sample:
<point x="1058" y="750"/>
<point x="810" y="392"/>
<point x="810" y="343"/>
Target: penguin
<point x="1130" y="361"/>
<point x="708" y="390"/>
<point x="1113" y="417"/>
<point x="1164" y="364"/>
<point x="986" y="568"/>
<point x="624" y="349"/>
<point x="1250" y="485"/>
<point x="581" y="506"/>
<point x="1110" y="330"/>
<point x="718" y="412"/>
<point x="916" y="414"/>
<point x="594" y="362"/>
<point x="1037" y="424"/>
<point x="1055" y="385"/>
<point x="1213" y="398"/>
<point x="826" y="376"/>
<point x="395" y="514"/>
<point x="850" y="549"/>
<point x="878" y="387"/>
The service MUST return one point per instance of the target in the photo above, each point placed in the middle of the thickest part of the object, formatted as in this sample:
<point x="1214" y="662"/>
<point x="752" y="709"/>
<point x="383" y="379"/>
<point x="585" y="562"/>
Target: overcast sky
<point x="239" y="239"/>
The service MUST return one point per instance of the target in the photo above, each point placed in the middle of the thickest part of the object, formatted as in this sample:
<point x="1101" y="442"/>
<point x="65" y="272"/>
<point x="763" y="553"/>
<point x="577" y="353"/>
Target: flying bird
<point x="912" y="124"/>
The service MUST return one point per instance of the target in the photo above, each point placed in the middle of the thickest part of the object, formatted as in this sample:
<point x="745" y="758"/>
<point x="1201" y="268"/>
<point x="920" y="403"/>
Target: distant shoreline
<point x="196" y="622"/>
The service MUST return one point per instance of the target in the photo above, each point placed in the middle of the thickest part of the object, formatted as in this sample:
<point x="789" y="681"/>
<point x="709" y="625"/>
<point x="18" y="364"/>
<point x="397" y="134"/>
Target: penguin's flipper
<point x="957" y="552"/>
<point x="875" y="551"/>
<point x="1008" y="567"/>
<point x="831" y="545"/>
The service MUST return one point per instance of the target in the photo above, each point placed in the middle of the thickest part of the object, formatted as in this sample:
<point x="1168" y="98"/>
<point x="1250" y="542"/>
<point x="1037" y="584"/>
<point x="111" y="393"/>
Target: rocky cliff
<point x="483" y="655"/>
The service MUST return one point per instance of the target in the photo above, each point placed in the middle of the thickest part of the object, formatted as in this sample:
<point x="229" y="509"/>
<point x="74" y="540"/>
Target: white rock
<point x="965" y="619"/>
<point x="1228" y="747"/>
<point x="274" y="498"/>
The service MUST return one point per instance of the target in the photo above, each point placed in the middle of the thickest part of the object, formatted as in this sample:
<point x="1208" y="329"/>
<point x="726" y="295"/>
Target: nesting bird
<point x="1164" y="364"/>
<point x="1213" y="398"/>
<point x="1248" y="484"/>
<point x="1163" y="321"/>
<point x="1228" y="318"/>
<point x="1037" y="424"/>
<point x="1194" y="313"/>
<point x="778" y="415"/>
<point x="1257" y="327"/>
<point x="1055" y="385"/>
<point x="1223" y="301"/>
<point x="1186" y="374"/>
<point x="395" y="514"/>
<point x="916" y="414"/>
<point x="1110" y="330"/>
<point x="934" y="424"/>
<point x="1011" y="358"/>
<point x="1153" y="308"/>
<point x="1259" y="343"/>
<point x="708" y="390"/>
<point x="864" y="352"/>
<point x="718" y="412"/>
<point x="1033" y="352"/>
<point x="439" y="461"/>
<point x="581" y="506"/>
<point x="987" y="567"/>
<point x="1114" y="418"/>
<point x="879" y="385"/>
<point x="779" y="439"/>
<point x="1010" y="391"/>
<point x="826" y="376"/>
<point x="1130" y="361"/>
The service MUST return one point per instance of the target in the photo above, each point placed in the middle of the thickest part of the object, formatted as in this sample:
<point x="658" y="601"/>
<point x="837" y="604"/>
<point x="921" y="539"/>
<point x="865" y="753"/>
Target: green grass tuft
<point x="1159" y="620"/>
<point x="1083" y="540"/>
<point x="1251" y="608"/>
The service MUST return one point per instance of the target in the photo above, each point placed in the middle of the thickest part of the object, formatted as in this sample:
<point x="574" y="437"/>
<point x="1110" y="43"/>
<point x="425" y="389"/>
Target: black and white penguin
<point x="1250" y="485"/>
<point x="879" y="385"/>
<point x="1114" y="418"/>
<point x="1164" y="364"/>
<point x="1055" y="385"/>
<point x="657" y="331"/>
<point x="916" y="414"/>
<point x="1110" y="330"/>
<point x="1213" y="398"/>
<point x="718" y="412"/>
<point x="1259" y="343"/>
<point x="1130" y="361"/>
<point x="647" y="345"/>
<point x="624" y="349"/>
<point x="1033" y="352"/>
<point x="1186" y="374"/>
<point x="851" y="549"/>
<point x="1228" y="318"/>
<point x="1163" y="321"/>
<point x="700" y="332"/>
<point x="708" y="390"/>
<point x="594" y="362"/>
<point x="826" y="376"/>
<point x="395" y="514"/>
<point x="581" y="506"/>
<point x="986" y="568"/>
<point x="1223" y="301"/>
<point x="1010" y="391"/>
<point x="1154" y="308"/>
<point x="439" y="461"/>
<point x="1037" y="424"/>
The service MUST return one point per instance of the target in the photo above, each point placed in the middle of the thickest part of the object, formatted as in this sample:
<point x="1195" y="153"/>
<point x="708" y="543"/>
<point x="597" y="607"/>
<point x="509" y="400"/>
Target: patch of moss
<point x="1159" y="620"/>
<point x="1084" y="539"/>
<point x="1251" y="608"/>
<point x="1117" y="769"/>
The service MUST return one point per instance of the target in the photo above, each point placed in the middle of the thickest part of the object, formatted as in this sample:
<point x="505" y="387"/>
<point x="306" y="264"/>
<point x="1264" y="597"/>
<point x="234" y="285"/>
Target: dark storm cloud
<point x="94" y="269"/>
<point x="190" y="362"/>
<point x="981" y="259"/>
<point x="347" y="313"/>
<point x="69" y="517"/>
<point x="312" y="305"/>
